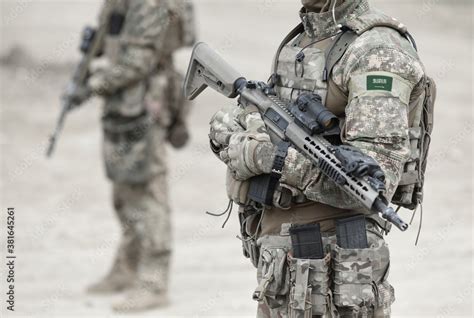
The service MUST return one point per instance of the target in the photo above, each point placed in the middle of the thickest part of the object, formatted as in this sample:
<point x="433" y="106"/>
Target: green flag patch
<point x="379" y="83"/>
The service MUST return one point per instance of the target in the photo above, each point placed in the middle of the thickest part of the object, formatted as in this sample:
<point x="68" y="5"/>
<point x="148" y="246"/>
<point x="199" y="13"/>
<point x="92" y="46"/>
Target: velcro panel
<point x="380" y="84"/>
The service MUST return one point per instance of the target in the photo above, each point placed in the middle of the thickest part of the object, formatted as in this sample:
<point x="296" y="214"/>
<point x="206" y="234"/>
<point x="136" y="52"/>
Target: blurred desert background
<point x="66" y="230"/>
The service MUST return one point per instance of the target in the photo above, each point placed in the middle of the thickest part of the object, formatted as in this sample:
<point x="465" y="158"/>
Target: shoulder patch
<point x="379" y="83"/>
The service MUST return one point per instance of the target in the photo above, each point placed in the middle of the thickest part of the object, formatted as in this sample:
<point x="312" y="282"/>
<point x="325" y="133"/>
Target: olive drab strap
<point x="299" y="29"/>
<point x="337" y="50"/>
<point x="428" y="120"/>
<point x="348" y="36"/>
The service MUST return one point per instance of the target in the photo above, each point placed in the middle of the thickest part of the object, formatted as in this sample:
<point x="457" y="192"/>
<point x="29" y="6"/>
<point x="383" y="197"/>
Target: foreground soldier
<point x="317" y="250"/>
<point x="143" y="110"/>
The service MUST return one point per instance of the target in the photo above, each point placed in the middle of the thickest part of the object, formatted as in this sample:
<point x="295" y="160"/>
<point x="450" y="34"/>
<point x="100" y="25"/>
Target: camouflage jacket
<point x="379" y="76"/>
<point x="133" y="45"/>
<point x="138" y="65"/>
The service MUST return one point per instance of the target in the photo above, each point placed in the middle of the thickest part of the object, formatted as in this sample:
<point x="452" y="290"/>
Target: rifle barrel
<point x="57" y="130"/>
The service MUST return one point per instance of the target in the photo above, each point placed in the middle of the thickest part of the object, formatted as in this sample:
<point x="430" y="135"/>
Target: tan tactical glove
<point x="240" y="138"/>
<point x="224" y="123"/>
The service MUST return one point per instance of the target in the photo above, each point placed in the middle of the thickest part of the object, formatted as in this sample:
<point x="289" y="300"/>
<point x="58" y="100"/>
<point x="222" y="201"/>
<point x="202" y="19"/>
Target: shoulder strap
<point x="350" y="33"/>
<point x="337" y="50"/>
<point x="299" y="29"/>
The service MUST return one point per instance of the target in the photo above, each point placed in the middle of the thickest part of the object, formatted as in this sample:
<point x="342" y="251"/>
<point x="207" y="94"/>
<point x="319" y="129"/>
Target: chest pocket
<point x="116" y="22"/>
<point x="300" y="71"/>
<point x="115" y="19"/>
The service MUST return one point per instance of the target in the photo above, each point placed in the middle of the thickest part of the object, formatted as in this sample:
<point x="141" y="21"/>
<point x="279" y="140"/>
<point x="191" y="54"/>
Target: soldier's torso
<point x="300" y="69"/>
<point x="180" y="26"/>
<point x="153" y="88"/>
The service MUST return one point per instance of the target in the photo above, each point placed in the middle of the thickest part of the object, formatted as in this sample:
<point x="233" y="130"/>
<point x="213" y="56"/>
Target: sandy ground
<point x="66" y="229"/>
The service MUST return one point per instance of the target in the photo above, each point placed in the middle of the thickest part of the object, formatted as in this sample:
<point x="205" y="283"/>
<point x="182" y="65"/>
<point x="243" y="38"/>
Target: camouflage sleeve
<point x="143" y="33"/>
<point x="379" y="83"/>
<point x="103" y="22"/>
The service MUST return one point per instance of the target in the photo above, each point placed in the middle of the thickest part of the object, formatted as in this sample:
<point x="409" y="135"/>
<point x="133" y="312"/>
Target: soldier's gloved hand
<point x="99" y="85"/>
<point x="249" y="152"/>
<point x="223" y="124"/>
<point x="77" y="95"/>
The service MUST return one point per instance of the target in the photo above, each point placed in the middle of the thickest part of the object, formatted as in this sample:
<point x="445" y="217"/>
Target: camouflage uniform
<point x="372" y="89"/>
<point x="143" y="110"/>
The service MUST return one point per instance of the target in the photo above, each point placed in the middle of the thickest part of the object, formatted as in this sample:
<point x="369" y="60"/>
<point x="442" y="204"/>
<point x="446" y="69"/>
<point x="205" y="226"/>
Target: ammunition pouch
<point x="249" y="220"/>
<point x="237" y="190"/>
<point x="353" y="278"/>
<point x="273" y="276"/>
<point x="128" y="148"/>
<point x="346" y="282"/>
<point x="309" y="272"/>
<point x="359" y="277"/>
<point x="309" y="294"/>
<point x="251" y="250"/>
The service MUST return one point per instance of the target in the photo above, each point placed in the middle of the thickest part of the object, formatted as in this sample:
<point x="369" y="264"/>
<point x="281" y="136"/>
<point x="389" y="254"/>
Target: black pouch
<point x="306" y="241"/>
<point x="116" y="22"/>
<point x="351" y="232"/>
<point x="261" y="190"/>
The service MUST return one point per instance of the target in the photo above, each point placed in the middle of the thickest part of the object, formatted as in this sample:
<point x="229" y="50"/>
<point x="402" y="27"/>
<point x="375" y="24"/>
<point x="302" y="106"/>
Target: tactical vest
<point x="301" y="67"/>
<point x="163" y="82"/>
<point x="181" y="31"/>
<point x="113" y="16"/>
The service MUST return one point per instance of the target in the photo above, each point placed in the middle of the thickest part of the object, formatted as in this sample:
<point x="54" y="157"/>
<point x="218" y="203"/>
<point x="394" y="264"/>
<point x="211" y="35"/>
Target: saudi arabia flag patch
<point x="379" y="83"/>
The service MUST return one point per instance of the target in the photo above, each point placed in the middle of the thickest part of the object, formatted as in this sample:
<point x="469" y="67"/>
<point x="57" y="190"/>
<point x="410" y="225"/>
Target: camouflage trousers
<point x="144" y="214"/>
<point x="346" y="283"/>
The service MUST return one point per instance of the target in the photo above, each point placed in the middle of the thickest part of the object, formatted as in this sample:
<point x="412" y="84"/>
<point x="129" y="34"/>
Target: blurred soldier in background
<point x="144" y="109"/>
<point x="318" y="252"/>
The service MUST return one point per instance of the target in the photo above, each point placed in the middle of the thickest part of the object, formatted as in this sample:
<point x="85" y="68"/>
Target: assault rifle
<point x="351" y="170"/>
<point x="91" y="46"/>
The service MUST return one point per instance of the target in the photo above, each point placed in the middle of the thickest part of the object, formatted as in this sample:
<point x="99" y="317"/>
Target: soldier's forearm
<point x="390" y="157"/>
<point x="134" y="65"/>
<point x="299" y="172"/>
